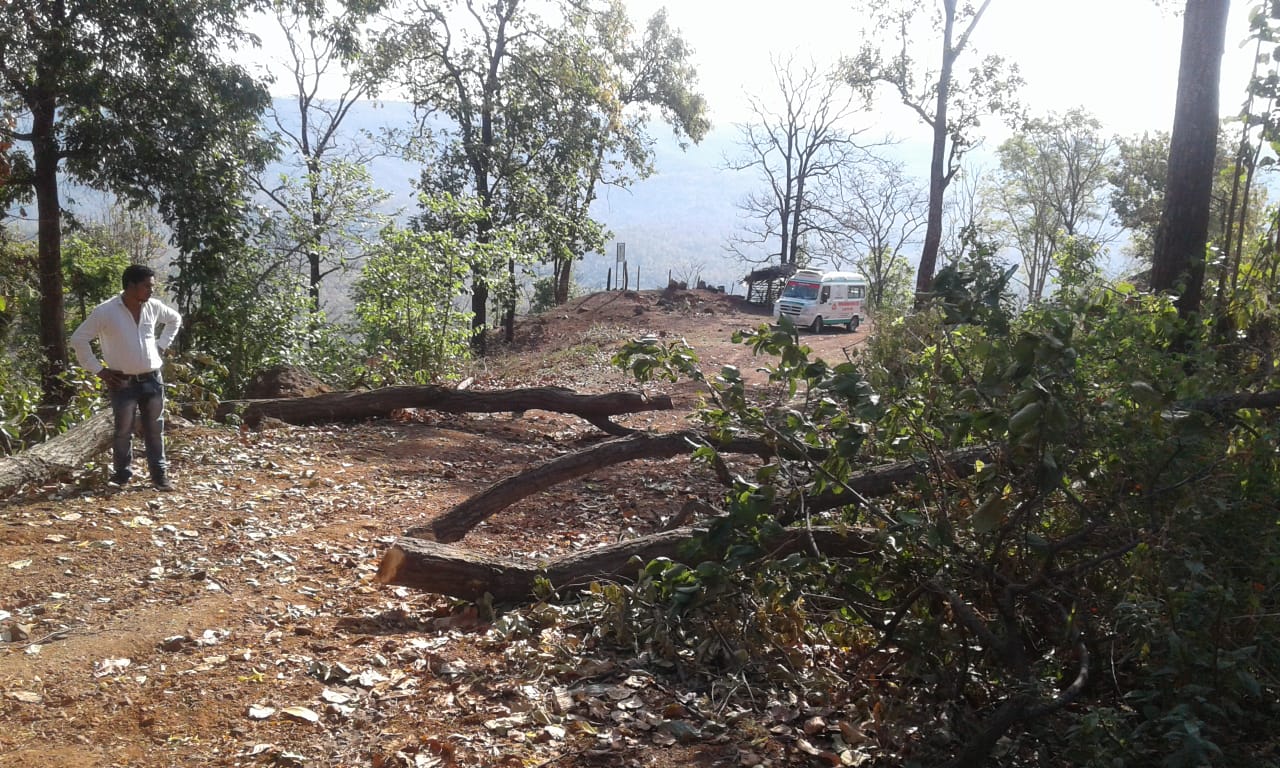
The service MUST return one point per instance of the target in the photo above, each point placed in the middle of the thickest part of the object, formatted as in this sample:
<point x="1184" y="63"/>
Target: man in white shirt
<point x="125" y="327"/>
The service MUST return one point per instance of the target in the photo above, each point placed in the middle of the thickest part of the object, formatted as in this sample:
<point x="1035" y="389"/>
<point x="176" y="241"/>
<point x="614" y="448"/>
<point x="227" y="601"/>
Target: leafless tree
<point x="968" y="212"/>
<point x="798" y="149"/>
<point x="883" y="212"/>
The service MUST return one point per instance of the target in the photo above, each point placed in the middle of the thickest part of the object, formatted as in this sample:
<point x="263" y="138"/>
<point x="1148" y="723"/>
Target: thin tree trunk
<point x="53" y="333"/>
<point x="457" y="522"/>
<point x="937" y="162"/>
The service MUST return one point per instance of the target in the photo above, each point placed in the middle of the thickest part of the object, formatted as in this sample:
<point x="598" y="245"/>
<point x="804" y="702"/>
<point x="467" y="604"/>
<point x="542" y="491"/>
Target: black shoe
<point x="120" y="479"/>
<point x="162" y="484"/>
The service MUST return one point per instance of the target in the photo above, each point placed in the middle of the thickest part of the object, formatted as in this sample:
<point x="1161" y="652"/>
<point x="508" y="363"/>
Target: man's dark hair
<point x="135" y="273"/>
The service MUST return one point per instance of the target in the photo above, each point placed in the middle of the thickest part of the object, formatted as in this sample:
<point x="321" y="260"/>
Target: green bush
<point x="1098" y="585"/>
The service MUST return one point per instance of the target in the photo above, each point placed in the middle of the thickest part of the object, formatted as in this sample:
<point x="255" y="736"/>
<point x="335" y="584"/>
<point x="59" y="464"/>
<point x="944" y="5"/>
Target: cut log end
<point x="389" y="568"/>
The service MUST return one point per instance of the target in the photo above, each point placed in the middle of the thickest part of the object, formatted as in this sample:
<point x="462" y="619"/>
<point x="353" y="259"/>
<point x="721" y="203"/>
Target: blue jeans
<point x="140" y="395"/>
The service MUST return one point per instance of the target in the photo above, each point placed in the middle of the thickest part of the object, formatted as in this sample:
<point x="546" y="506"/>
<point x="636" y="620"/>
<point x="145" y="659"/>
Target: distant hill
<point x="680" y="217"/>
<point x="677" y="221"/>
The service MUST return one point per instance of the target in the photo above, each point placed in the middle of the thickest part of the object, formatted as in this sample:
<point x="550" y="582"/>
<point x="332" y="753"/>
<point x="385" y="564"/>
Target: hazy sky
<point x="1116" y="58"/>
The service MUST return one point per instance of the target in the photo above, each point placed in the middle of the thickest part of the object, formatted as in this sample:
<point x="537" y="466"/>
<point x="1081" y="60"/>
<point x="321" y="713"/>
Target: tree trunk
<point x="509" y="315"/>
<point x="563" y="278"/>
<point x="357" y="406"/>
<point x="57" y="457"/>
<point x="1178" y="261"/>
<point x="457" y="522"/>
<point x="479" y="306"/>
<point x="53" y="333"/>
<point x="937" y="173"/>
<point x="447" y="570"/>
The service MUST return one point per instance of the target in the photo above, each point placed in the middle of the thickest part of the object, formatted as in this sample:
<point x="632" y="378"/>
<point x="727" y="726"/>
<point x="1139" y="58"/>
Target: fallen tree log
<point x="58" y="456"/>
<point x="357" y="406"/>
<point x="1235" y="402"/>
<point x="448" y="570"/>
<point x="881" y="480"/>
<point x="454" y="524"/>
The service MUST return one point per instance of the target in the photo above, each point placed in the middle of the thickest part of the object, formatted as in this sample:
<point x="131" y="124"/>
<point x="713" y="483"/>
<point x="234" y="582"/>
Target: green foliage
<point x="544" y="294"/>
<point x="975" y="289"/>
<point x="890" y="292"/>
<point x="1051" y="179"/>
<point x="91" y="280"/>
<point x="532" y="110"/>
<point x="91" y="270"/>
<point x="250" y="316"/>
<point x="1101" y="567"/>
<point x="405" y="299"/>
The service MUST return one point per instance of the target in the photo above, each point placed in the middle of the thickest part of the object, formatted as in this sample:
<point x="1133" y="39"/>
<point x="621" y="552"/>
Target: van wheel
<point x="816" y="326"/>
<point x="853" y="323"/>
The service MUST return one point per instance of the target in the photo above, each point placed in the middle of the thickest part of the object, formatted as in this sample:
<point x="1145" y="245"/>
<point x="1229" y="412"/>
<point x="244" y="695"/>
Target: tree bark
<point x="882" y="480"/>
<point x="53" y="332"/>
<point x="457" y="522"/>
<point x="443" y="569"/>
<point x="1179" y="258"/>
<point x="57" y="457"/>
<point x="357" y="406"/>
<point x="937" y="160"/>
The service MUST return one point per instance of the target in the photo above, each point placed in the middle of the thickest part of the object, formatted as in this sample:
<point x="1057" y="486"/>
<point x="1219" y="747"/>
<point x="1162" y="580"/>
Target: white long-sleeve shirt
<point x="127" y="346"/>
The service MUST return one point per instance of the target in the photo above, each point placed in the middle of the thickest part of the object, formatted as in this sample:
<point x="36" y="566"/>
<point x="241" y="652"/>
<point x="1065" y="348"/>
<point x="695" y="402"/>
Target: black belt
<point x="148" y="376"/>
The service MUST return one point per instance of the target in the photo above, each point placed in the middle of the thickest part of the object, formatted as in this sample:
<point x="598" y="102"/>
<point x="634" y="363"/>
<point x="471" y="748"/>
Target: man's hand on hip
<point x="113" y="379"/>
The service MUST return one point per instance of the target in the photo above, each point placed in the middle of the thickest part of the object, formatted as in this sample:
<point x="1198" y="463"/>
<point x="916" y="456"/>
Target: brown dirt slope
<point x="236" y="622"/>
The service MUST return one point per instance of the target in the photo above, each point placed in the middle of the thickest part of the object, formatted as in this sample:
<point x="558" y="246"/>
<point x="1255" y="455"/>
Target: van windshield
<point x="794" y="290"/>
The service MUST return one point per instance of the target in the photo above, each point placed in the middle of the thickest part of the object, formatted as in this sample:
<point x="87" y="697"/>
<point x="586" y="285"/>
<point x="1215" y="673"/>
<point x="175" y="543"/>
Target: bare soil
<point x="236" y="621"/>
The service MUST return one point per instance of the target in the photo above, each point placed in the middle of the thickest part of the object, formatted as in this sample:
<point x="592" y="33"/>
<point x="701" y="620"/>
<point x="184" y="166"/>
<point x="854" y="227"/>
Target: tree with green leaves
<point x="518" y="111"/>
<point x="1053" y="173"/>
<point x="798" y="141"/>
<point x="951" y="108"/>
<point x="131" y="97"/>
<point x="1138" y="189"/>
<point x="637" y="77"/>
<point x="326" y="201"/>
<point x="406" y="290"/>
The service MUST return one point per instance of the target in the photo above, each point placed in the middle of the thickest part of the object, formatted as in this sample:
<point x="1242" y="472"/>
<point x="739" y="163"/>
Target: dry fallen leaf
<point x="334" y="697"/>
<point x="108" y="667"/>
<point x="258" y="712"/>
<point x="301" y="713"/>
<point x="26" y="697"/>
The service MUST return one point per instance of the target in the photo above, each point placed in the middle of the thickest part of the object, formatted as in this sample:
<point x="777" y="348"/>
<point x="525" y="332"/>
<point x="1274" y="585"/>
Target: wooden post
<point x="608" y="281"/>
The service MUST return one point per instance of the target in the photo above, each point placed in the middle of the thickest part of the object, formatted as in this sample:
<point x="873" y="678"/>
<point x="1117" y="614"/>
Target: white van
<point x="819" y="299"/>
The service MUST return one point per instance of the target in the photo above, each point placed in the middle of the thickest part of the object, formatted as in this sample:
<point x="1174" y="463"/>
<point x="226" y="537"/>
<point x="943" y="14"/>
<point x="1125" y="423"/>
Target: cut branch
<point x="357" y="406"/>
<point x="457" y="522"/>
<point x="57" y="457"/>
<point x="444" y="569"/>
<point x="1236" y="402"/>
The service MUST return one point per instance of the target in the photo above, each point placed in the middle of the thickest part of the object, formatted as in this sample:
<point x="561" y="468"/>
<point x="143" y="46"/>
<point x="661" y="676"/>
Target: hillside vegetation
<point x="1100" y="586"/>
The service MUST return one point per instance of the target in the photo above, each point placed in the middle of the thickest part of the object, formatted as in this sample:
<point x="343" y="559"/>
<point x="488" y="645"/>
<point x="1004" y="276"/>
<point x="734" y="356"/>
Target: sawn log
<point x="448" y="570"/>
<point x="58" y="456"/>
<point x="357" y="406"/>
<point x="458" y="521"/>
